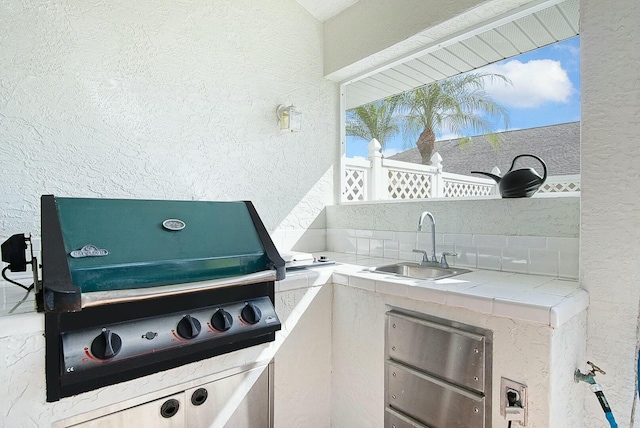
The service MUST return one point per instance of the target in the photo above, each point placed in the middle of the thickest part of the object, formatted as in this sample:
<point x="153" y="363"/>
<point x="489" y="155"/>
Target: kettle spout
<point x="488" y="174"/>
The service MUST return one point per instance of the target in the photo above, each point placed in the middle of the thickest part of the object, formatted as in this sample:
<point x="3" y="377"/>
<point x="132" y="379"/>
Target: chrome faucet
<point x="425" y="258"/>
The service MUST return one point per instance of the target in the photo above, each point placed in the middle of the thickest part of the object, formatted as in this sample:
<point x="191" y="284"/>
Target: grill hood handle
<point x="277" y="262"/>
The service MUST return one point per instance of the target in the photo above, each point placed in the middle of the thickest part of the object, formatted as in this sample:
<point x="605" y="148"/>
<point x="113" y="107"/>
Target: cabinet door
<point x="241" y="400"/>
<point x="168" y="412"/>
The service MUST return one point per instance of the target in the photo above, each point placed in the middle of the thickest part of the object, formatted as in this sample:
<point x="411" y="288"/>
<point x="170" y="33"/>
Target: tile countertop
<point x="536" y="298"/>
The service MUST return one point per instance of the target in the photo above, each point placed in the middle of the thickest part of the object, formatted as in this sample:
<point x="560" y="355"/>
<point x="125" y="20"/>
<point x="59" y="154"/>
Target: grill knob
<point x="221" y="320"/>
<point x="106" y="345"/>
<point x="188" y="327"/>
<point x="251" y="313"/>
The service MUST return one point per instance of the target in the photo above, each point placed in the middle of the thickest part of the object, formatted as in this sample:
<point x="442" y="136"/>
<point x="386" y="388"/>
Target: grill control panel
<point x="89" y="348"/>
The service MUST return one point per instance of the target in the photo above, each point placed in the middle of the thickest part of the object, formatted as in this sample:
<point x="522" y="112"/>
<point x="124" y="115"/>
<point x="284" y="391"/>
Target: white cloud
<point x="533" y="83"/>
<point x="390" y="152"/>
<point x="574" y="51"/>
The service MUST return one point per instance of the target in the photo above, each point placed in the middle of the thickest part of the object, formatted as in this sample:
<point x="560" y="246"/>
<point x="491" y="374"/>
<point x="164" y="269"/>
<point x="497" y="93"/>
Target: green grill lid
<point x="119" y="244"/>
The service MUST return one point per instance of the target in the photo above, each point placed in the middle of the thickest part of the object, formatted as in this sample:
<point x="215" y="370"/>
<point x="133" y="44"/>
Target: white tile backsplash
<point x="490" y="240"/>
<point x="409" y="255"/>
<point x="551" y="256"/>
<point x="563" y="244"/>
<point x="391" y="249"/>
<point x="544" y="262"/>
<point x="383" y="234"/>
<point x="362" y="246"/>
<point x="568" y="267"/>
<point x="490" y="258"/>
<point x="424" y="240"/>
<point x="349" y="244"/>
<point x="364" y="233"/>
<point x="458" y="238"/>
<point x="407" y="240"/>
<point x="376" y="248"/>
<point x="515" y="260"/>
<point x="527" y="241"/>
<point x="467" y="255"/>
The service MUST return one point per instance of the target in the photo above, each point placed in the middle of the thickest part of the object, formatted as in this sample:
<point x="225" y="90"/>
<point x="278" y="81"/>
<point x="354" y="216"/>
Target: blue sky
<point x="545" y="91"/>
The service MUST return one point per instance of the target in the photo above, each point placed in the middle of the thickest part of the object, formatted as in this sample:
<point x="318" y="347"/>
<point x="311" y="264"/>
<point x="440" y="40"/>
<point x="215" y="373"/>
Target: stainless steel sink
<point x="421" y="270"/>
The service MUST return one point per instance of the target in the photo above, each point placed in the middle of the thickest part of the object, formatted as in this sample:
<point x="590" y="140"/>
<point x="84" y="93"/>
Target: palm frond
<point x="458" y="104"/>
<point x="374" y="120"/>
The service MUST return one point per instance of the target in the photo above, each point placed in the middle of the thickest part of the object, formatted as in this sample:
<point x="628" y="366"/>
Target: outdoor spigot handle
<point x="595" y="369"/>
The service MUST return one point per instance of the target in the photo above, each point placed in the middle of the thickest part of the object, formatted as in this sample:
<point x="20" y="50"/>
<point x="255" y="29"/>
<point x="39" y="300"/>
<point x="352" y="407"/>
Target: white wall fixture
<point x="289" y="118"/>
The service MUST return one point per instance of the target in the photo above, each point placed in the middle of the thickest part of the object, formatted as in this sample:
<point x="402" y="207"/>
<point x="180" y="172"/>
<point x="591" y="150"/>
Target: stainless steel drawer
<point x="393" y="419"/>
<point x="449" y="353"/>
<point x="432" y="402"/>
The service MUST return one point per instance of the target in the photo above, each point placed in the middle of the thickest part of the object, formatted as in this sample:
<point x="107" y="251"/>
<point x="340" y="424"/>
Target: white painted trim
<point x="474" y="30"/>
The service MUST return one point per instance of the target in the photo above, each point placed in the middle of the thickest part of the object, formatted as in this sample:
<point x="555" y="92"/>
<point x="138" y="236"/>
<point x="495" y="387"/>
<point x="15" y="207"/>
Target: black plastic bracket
<point x="58" y="292"/>
<point x="272" y="252"/>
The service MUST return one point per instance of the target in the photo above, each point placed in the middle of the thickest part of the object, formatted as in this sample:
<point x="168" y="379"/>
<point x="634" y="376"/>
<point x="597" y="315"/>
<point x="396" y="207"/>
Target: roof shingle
<point x="557" y="145"/>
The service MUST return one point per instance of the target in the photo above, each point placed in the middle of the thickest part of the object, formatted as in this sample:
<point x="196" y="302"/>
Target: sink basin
<point x="421" y="271"/>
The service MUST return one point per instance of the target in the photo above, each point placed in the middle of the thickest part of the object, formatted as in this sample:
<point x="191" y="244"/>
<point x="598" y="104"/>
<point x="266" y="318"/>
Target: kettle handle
<point x="544" y="166"/>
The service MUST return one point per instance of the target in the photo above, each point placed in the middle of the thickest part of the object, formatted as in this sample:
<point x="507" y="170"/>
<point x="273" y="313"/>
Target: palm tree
<point x="374" y="120"/>
<point x="458" y="104"/>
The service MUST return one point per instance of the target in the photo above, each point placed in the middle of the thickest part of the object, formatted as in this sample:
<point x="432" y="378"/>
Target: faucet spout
<point x="433" y="232"/>
<point x="421" y="220"/>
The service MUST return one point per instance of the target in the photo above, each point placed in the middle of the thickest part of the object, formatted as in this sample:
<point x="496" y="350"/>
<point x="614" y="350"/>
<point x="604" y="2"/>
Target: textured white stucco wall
<point x="610" y="219"/>
<point x="164" y="100"/>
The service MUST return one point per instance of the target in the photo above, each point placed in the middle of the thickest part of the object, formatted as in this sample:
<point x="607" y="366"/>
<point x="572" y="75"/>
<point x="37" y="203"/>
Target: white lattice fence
<point x="561" y="183"/>
<point x="458" y="186"/>
<point x="377" y="178"/>
<point x="409" y="185"/>
<point x="355" y="184"/>
<point x="453" y="189"/>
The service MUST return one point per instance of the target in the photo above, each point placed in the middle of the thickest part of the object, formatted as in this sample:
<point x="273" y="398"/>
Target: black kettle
<point x="521" y="183"/>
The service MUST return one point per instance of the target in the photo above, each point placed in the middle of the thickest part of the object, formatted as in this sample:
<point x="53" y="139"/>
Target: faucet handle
<point x="425" y="257"/>
<point x="595" y="369"/>
<point x="443" y="259"/>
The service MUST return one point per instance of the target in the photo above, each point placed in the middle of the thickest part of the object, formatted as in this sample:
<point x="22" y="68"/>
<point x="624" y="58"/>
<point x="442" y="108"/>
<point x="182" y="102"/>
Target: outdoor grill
<point x="133" y="287"/>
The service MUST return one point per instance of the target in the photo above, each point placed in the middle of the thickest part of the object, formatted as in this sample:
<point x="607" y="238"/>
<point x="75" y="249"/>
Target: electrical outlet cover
<point x="521" y="390"/>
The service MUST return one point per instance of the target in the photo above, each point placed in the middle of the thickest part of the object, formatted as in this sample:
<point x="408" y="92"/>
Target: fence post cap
<point x="374" y="145"/>
<point x="436" y="160"/>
